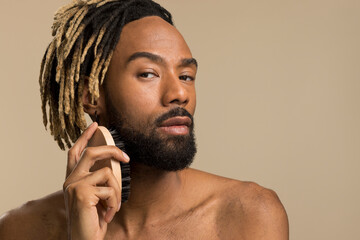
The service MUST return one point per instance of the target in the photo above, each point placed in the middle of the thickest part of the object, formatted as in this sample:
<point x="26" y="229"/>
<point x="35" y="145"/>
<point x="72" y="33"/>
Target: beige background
<point x="278" y="103"/>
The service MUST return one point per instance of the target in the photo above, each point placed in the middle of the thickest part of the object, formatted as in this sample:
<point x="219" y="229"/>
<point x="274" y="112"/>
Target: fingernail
<point x="119" y="206"/>
<point x="126" y="156"/>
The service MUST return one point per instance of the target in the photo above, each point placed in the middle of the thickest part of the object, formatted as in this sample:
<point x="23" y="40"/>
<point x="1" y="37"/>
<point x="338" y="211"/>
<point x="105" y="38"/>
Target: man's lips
<point x="176" y="121"/>
<point x="176" y="125"/>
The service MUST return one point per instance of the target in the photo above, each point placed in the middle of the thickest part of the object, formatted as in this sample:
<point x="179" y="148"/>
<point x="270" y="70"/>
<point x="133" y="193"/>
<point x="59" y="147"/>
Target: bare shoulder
<point x="38" y="219"/>
<point x="246" y="209"/>
<point x="263" y="214"/>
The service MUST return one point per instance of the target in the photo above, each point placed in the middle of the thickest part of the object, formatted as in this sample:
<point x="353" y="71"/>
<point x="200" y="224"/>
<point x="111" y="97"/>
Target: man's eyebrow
<point x="151" y="56"/>
<point x="156" y="58"/>
<point x="188" y="61"/>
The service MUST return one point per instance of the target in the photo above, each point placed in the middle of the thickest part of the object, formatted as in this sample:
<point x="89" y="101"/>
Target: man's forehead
<point x="151" y="34"/>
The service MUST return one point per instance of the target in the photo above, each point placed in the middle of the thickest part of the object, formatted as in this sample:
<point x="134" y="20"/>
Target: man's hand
<point x="91" y="198"/>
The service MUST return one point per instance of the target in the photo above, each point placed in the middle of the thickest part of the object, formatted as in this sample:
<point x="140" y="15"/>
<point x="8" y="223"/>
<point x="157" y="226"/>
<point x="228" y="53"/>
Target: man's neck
<point x="152" y="193"/>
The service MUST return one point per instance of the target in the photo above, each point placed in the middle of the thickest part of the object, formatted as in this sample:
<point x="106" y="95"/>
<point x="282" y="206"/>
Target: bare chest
<point x="204" y="228"/>
<point x="195" y="225"/>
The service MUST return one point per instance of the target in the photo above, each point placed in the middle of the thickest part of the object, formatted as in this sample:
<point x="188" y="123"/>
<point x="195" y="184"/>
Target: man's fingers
<point x="92" y="154"/>
<point x="108" y="195"/>
<point x="105" y="176"/>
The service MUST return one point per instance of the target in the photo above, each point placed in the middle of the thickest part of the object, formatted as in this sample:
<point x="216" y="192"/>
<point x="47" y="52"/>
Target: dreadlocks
<point x="85" y="35"/>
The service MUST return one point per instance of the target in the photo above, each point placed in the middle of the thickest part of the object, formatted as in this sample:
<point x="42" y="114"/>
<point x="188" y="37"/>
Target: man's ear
<point x="90" y="108"/>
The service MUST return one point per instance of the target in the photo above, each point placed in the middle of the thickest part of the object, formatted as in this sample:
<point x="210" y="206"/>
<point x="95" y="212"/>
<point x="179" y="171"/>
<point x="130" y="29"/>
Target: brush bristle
<point x="125" y="167"/>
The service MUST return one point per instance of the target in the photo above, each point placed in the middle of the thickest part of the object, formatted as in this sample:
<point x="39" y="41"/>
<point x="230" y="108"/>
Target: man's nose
<point x="174" y="91"/>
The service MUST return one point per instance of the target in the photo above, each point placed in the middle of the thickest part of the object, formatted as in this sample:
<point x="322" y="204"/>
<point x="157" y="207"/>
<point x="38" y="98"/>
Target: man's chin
<point x="167" y="162"/>
<point x="173" y="153"/>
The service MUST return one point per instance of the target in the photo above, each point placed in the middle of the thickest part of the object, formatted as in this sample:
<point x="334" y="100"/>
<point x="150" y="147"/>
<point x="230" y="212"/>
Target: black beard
<point x="171" y="153"/>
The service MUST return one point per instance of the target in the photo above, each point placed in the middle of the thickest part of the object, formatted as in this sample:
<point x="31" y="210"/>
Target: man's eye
<point x="186" y="78"/>
<point x="147" y="75"/>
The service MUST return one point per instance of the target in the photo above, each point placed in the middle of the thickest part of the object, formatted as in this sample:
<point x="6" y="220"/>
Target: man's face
<point x="150" y="94"/>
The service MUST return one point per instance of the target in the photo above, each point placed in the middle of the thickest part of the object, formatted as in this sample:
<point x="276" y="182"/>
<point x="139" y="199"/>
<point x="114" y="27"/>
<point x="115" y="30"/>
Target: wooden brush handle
<point x="101" y="137"/>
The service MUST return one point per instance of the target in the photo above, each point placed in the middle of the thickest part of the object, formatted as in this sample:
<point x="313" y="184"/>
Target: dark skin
<point x="186" y="204"/>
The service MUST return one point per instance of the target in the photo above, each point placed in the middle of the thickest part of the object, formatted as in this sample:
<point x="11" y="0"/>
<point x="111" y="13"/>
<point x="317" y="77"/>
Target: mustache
<point x="175" y="112"/>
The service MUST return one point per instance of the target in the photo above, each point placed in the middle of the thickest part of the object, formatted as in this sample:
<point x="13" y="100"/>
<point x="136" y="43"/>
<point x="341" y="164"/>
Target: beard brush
<point x="121" y="171"/>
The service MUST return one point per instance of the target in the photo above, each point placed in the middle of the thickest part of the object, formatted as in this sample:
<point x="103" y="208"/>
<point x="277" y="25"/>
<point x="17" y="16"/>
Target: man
<point x="124" y="64"/>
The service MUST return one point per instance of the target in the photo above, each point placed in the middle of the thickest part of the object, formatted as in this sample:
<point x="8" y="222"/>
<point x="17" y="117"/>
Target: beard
<point x="148" y="147"/>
